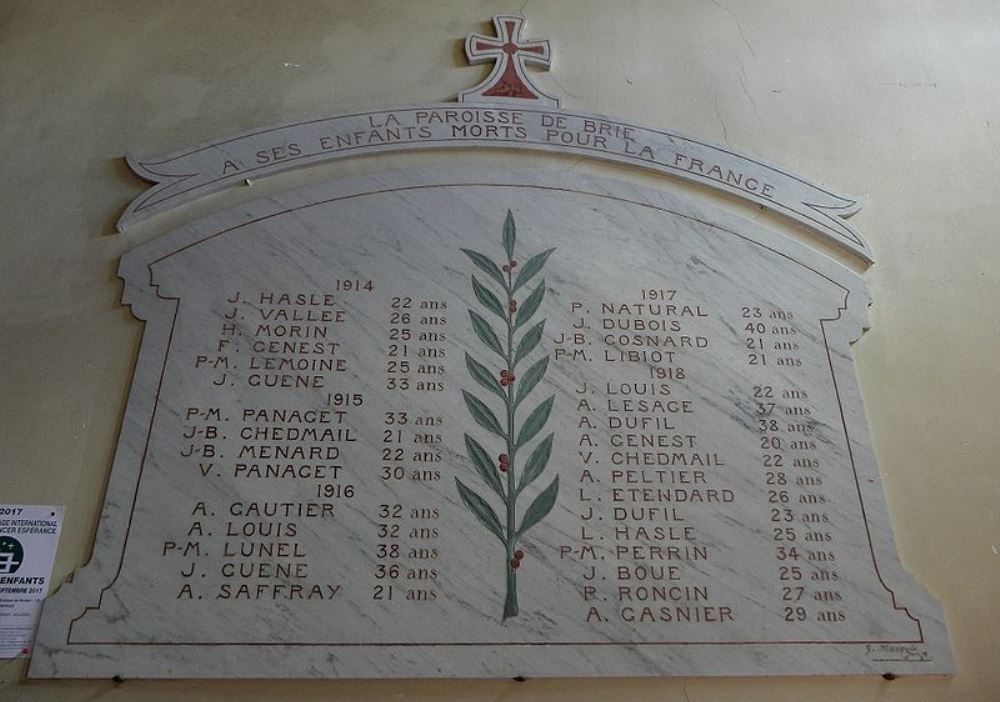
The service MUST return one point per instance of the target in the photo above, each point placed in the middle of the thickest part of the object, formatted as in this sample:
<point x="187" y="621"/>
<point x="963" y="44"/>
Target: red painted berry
<point x="506" y="268"/>
<point x="510" y="377"/>
<point x="504" y="458"/>
<point x="514" y="563"/>
<point x="512" y="305"/>
<point x="518" y="554"/>
<point x="503" y="467"/>
<point x="513" y="264"/>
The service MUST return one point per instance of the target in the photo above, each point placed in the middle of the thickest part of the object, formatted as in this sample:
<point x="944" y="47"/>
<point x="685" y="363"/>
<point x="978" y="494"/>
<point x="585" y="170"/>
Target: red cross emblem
<point x="508" y="81"/>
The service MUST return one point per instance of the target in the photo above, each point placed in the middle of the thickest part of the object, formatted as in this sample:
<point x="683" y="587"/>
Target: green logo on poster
<point x="11" y="555"/>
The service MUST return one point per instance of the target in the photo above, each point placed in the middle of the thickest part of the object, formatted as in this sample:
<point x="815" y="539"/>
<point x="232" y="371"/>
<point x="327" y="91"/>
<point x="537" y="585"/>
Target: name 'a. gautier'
<point x="281" y="509"/>
<point x="653" y="309"/>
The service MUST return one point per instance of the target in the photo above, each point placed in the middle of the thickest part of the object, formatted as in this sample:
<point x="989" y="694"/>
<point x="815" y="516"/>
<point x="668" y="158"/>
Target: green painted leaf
<point x="531" y="379"/>
<point x="484" y="464"/>
<point x="528" y="342"/>
<point x="482" y="414"/>
<point x="479" y="507"/>
<point x="482" y="375"/>
<point x="530" y="304"/>
<point x="537" y="461"/>
<point x="531" y="266"/>
<point x="509" y="235"/>
<point x="486" y="334"/>
<point x="489" y="300"/>
<point x="487" y="266"/>
<point x="540" y="507"/>
<point x="535" y="421"/>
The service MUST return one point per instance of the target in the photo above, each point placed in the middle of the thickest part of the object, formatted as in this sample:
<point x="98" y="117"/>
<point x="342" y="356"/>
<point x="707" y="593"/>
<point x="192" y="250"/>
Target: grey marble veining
<point x="668" y="549"/>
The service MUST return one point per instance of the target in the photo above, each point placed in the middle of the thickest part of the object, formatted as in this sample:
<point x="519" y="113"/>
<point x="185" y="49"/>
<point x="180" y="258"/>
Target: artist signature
<point x="897" y="652"/>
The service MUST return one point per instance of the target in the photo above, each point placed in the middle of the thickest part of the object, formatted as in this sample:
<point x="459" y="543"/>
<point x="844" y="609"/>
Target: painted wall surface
<point x="897" y="100"/>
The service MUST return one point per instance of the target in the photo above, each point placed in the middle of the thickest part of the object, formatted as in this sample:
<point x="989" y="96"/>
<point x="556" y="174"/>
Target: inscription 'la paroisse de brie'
<point x="491" y="423"/>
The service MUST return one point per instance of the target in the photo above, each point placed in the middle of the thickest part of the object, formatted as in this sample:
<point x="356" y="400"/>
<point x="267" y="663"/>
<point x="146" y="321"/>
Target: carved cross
<point x="508" y="81"/>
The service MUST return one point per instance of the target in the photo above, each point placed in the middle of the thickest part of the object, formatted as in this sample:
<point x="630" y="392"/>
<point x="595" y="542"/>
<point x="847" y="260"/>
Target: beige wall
<point x="898" y="100"/>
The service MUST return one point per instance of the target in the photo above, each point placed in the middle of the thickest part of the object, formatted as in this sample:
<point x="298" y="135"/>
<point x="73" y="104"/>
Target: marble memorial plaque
<point x="491" y="424"/>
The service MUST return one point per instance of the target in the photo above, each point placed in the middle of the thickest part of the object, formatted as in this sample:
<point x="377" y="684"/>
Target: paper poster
<point x="29" y="536"/>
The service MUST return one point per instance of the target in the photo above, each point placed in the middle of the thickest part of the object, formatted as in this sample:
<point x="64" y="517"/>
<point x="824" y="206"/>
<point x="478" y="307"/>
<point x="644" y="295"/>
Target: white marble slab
<point x="710" y="505"/>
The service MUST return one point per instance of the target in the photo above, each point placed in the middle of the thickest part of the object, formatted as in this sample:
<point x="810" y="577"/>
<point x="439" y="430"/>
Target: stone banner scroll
<point x="491" y="424"/>
<point x="195" y="172"/>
